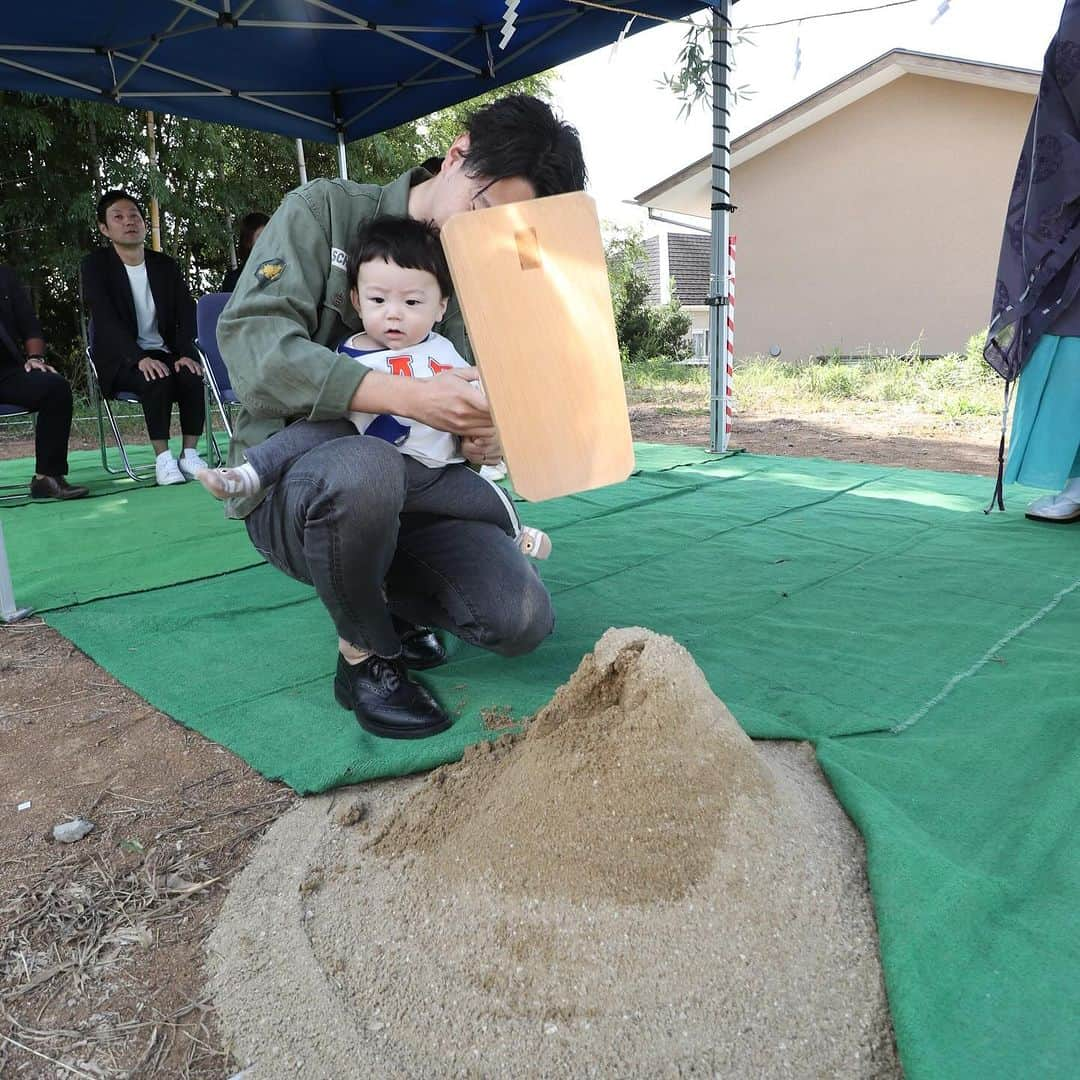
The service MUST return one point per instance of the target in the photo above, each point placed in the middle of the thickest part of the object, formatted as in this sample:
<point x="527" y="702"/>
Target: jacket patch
<point x="338" y="259"/>
<point x="268" y="271"/>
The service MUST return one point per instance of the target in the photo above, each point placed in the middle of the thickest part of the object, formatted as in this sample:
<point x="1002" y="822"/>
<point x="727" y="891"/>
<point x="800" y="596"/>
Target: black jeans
<point x="50" y="397"/>
<point x="157" y="396"/>
<point x="353" y="518"/>
<point x="448" y="490"/>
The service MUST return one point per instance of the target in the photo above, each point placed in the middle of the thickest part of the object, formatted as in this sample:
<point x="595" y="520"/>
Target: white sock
<point x="165" y="455"/>
<point x="191" y="452"/>
<point x="1072" y="489"/>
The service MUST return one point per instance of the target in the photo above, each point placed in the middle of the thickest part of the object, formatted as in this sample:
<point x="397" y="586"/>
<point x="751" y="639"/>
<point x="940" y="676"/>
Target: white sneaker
<point x="167" y="470"/>
<point x="534" y="543"/>
<point x="1057" y="508"/>
<point x="494" y="472"/>
<point x="191" y="465"/>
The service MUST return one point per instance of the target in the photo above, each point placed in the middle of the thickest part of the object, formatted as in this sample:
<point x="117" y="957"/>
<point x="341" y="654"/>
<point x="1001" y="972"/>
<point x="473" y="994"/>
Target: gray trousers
<point x="378" y="534"/>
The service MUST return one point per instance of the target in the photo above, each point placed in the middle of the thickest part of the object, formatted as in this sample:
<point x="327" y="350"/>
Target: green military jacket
<point x="291" y="309"/>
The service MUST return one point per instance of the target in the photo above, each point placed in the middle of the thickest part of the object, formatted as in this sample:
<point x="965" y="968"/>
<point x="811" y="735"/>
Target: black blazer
<point x="229" y="282"/>
<point x="17" y="318"/>
<point x="116" y="327"/>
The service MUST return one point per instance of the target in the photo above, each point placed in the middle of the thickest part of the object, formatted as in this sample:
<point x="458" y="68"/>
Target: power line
<point x="829" y="15"/>
<point x="616" y="10"/>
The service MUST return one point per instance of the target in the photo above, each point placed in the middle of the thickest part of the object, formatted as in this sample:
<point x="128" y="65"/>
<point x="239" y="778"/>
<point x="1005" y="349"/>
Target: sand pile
<point x="629" y="889"/>
<point x="621" y="790"/>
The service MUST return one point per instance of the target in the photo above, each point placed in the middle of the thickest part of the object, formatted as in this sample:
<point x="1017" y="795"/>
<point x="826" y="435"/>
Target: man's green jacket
<point x="291" y="309"/>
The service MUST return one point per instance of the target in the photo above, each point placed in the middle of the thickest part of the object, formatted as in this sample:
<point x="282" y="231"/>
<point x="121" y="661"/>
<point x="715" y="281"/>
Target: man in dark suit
<point x="144" y="332"/>
<point x="26" y="380"/>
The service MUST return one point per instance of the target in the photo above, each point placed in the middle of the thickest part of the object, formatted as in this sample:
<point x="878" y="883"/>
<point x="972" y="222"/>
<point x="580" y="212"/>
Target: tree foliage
<point x="61" y="155"/>
<point x="645" y="331"/>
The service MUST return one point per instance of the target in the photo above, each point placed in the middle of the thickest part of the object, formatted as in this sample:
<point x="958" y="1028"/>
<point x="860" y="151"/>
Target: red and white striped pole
<point x="729" y="358"/>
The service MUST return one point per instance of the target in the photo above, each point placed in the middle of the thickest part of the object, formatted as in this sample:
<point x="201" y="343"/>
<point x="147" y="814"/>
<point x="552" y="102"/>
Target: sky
<point x="630" y="127"/>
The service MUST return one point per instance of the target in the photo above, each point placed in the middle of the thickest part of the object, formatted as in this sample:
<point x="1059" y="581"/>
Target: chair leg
<point x="213" y="451"/>
<point x="223" y="409"/>
<point x="212" y="455"/>
<point x="101" y="439"/>
<point x="127" y="467"/>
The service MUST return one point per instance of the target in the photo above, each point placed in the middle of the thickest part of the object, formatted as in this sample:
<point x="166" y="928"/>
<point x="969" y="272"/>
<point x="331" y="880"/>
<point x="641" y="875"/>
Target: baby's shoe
<point x="534" y="543"/>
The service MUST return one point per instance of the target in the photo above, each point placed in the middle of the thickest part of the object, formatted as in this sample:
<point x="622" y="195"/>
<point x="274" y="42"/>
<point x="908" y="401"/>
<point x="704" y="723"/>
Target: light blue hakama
<point x="1044" y="447"/>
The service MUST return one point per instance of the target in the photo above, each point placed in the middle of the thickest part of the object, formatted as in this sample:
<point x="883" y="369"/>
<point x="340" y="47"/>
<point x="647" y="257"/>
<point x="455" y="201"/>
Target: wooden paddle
<point x="533" y="288"/>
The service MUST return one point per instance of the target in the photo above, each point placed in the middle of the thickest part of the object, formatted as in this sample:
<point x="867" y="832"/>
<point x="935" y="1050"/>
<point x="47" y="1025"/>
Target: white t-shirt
<point x="145" y="311"/>
<point x="434" y="354"/>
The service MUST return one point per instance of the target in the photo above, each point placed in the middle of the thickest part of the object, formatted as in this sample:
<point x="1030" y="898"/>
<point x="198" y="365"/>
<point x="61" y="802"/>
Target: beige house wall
<point x="879" y="225"/>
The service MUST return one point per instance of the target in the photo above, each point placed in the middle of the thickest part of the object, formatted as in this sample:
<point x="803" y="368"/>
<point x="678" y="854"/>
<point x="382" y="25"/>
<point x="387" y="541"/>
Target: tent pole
<point x="301" y="164"/>
<point x="342" y="165"/>
<point x="720" y="208"/>
<point x="9" y="613"/>
<point x="155" y="216"/>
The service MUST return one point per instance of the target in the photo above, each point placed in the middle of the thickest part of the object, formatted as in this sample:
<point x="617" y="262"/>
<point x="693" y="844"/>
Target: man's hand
<point x="482" y="448"/>
<point x="39" y="365"/>
<point x="153" y="369"/>
<point x="191" y="365"/>
<point x="451" y="401"/>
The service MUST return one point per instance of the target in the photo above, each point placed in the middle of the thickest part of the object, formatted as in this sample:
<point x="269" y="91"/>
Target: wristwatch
<point x="36" y="356"/>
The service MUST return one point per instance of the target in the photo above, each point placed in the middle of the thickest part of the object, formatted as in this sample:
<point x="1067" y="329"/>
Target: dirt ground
<point x="101" y="941"/>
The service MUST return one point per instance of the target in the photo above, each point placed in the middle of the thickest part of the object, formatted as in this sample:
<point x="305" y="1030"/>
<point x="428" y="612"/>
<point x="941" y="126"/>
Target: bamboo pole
<point x="155" y="215"/>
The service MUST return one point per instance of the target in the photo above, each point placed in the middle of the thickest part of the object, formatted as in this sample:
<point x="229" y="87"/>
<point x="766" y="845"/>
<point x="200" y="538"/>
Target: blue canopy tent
<point x="340" y="71"/>
<point x="305" y="68"/>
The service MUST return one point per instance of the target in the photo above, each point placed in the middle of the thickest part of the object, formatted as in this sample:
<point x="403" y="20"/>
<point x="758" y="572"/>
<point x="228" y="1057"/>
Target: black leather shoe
<point x="386" y="701"/>
<point x="55" y="487"/>
<point x="421" y="647"/>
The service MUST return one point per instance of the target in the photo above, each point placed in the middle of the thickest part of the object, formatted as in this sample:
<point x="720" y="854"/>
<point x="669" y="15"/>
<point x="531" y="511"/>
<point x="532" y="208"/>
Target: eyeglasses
<point x="472" y="201"/>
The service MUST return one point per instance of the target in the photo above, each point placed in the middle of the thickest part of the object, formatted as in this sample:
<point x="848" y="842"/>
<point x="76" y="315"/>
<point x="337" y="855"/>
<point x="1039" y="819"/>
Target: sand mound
<point x="629" y="889"/>
<point x="621" y="790"/>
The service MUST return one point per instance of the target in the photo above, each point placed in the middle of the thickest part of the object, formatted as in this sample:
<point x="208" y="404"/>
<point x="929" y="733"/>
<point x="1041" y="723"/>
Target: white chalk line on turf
<point x="985" y="659"/>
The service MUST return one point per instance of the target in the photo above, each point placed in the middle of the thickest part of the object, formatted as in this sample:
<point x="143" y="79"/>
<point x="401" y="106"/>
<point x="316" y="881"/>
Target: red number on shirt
<point x="400" y="365"/>
<point x="436" y="367"/>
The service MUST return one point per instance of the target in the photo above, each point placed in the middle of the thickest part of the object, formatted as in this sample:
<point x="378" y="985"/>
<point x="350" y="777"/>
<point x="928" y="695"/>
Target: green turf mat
<point x="125" y="537"/>
<point x="84" y="467"/>
<point x="970" y="817"/>
<point x="129" y="537"/>
<point x="826" y="601"/>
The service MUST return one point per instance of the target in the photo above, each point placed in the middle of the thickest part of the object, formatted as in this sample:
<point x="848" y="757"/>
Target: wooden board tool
<point x="533" y="288"/>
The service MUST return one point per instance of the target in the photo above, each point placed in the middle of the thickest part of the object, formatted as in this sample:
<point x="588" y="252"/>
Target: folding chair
<point x="218" y="385"/>
<point x="8" y="494"/>
<point x="105" y="410"/>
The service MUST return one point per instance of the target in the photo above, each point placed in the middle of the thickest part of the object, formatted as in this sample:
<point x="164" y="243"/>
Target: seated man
<point x="144" y="333"/>
<point x="349" y="516"/>
<point x="31" y="383"/>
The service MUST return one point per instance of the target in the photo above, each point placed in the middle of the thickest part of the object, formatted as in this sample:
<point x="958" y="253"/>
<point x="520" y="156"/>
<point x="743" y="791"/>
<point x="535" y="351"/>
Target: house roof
<point x="838" y="95"/>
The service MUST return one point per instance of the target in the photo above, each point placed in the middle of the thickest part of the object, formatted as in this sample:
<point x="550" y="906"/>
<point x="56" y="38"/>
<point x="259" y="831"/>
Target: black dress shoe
<point x="55" y="487"/>
<point x="386" y="701"/>
<point x="420" y="646"/>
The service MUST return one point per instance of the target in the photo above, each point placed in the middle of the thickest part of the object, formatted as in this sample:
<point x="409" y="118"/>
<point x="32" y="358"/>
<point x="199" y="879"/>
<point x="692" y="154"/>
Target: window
<point x="699" y="341"/>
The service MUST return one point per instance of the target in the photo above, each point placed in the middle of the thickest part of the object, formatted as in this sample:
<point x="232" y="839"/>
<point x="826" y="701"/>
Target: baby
<point x="399" y="286"/>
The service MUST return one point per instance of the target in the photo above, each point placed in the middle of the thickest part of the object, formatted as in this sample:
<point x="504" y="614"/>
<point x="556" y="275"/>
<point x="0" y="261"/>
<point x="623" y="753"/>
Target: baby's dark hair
<point x="402" y="240"/>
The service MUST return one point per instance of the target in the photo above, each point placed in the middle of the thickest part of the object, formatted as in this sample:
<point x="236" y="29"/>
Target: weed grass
<point x="955" y="387"/>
